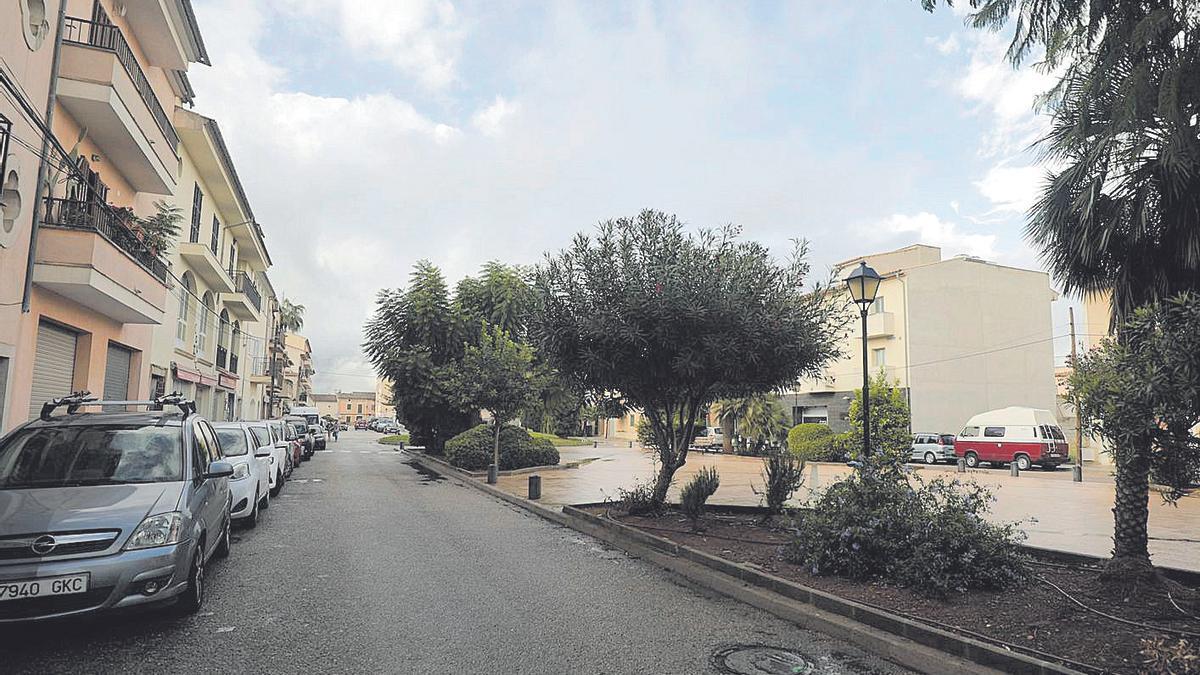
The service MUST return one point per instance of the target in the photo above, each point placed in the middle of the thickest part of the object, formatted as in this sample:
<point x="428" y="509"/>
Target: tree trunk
<point x="727" y="434"/>
<point x="1131" y="554"/>
<point x="662" y="483"/>
<point x="496" y="446"/>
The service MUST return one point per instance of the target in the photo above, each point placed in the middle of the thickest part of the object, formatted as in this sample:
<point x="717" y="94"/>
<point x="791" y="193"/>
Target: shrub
<point x="810" y="442"/>
<point x="638" y="500"/>
<point x="931" y="536"/>
<point x="696" y="493"/>
<point x="783" y="474"/>
<point x="472" y="449"/>
<point x="1162" y="655"/>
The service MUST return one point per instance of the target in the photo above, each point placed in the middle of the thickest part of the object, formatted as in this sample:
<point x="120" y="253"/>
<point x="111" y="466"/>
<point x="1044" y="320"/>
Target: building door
<point x="53" y="366"/>
<point x="116" y="373"/>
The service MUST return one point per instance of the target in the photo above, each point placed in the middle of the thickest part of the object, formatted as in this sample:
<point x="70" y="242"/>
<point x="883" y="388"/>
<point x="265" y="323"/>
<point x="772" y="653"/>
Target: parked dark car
<point x="107" y="510"/>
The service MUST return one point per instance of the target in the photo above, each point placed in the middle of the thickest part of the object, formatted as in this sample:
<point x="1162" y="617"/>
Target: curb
<point x="900" y="640"/>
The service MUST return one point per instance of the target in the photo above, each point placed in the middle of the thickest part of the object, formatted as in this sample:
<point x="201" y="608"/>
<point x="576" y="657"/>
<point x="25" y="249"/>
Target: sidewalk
<point x="1074" y="517"/>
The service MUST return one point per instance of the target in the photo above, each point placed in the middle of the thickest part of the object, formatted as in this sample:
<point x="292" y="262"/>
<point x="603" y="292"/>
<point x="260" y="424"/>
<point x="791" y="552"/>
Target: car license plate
<point x="41" y="588"/>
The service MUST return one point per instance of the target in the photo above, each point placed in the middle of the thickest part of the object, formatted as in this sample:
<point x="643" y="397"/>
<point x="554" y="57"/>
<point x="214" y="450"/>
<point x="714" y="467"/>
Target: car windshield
<point x="261" y="436"/>
<point x="233" y="442"/>
<point x="300" y="427"/>
<point x="75" y="455"/>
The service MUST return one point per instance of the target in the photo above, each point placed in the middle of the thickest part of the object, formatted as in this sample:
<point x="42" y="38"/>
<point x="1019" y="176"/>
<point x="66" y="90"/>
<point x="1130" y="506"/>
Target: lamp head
<point x="863" y="283"/>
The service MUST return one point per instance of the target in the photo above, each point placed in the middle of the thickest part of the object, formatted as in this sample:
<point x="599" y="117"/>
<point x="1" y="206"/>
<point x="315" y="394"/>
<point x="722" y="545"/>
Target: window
<point x="233" y="441"/>
<point x="200" y="451"/>
<point x="214" y="446"/>
<point x="817" y="414"/>
<point x="993" y="432"/>
<point x="197" y="208"/>
<point x="202" y="331"/>
<point x="969" y="432"/>
<point x="879" y="357"/>
<point x="215" y="244"/>
<point x="186" y="289"/>
<point x="49" y="457"/>
<point x="877" y="306"/>
<point x="360" y="408"/>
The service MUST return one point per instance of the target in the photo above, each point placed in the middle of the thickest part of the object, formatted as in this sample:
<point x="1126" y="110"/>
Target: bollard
<point x="535" y="487"/>
<point x="631" y="444"/>
<point x="595" y="444"/>
<point x="492" y="473"/>
<point x="400" y="445"/>
<point x="1077" y="473"/>
<point x="1013" y="470"/>
<point x="962" y="465"/>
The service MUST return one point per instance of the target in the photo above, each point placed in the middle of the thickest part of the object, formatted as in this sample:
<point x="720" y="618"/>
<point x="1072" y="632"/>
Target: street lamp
<point x="863" y="283"/>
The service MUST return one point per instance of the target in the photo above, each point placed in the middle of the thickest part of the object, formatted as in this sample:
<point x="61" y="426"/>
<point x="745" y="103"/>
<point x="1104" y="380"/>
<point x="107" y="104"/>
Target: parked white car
<point x="279" y="456"/>
<point x="250" y="483"/>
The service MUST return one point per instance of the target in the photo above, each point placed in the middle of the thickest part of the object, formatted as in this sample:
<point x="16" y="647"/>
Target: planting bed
<point x="1036" y="617"/>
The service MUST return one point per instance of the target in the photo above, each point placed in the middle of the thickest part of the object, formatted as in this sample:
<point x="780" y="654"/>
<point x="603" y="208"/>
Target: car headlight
<point x="163" y="529"/>
<point x="240" y="470"/>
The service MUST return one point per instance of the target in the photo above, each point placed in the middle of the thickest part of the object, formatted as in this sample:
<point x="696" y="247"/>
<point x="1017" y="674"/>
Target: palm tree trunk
<point x="1131" y="512"/>
<point x="727" y="424"/>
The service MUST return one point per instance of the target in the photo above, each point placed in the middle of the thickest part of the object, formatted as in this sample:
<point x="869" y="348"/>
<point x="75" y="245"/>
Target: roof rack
<point x="79" y="399"/>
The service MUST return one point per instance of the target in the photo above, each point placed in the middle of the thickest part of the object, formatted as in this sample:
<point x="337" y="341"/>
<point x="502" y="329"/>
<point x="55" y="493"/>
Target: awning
<point x="187" y="375"/>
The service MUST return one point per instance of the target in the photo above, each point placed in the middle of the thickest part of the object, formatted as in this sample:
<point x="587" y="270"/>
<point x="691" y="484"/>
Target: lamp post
<point x="863" y="283"/>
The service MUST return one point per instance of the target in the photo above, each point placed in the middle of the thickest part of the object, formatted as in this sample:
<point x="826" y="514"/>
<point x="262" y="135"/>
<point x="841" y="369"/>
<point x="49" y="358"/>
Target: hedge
<point x="472" y="449"/>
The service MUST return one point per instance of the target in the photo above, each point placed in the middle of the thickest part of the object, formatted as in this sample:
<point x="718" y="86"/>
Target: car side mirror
<point x="219" y="469"/>
<point x="264" y="451"/>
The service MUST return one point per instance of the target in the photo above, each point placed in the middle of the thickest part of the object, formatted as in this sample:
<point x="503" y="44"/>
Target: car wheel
<point x="972" y="460"/>
<point x="1023" y="463"/>
<point x="930" y="458"/>
<point x="225" y="544"/>
<point x="252" y="521"/>
<point x="192" y="597"/>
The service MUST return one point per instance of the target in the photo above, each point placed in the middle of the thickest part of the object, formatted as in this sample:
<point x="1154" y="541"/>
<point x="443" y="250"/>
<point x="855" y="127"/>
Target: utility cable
<point x="1128" y="622"/>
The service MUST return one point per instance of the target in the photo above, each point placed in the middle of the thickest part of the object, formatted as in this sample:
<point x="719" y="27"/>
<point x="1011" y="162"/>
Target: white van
<point x="1024" y="436"/>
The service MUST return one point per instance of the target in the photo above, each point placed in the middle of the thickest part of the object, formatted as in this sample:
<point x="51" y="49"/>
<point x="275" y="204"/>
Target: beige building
<point x="355" y="405"/>
<point x="383" y="399"/>
<point x="296" y="387"/>
<point x="98" y="290"/>
<point x="327" y="405"/>
<point x="961" y="336"/>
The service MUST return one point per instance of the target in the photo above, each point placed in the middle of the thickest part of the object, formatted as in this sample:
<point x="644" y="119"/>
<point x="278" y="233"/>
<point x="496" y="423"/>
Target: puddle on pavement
<point x="427" y="476"/>
<point x="761" y="660"/>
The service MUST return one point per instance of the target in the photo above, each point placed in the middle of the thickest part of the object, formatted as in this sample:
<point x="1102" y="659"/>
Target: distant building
<point x="383" y="398"/>
<point x="327" y="405"/>
<point x="961" y="336"/>
<point x="355" y="405"/>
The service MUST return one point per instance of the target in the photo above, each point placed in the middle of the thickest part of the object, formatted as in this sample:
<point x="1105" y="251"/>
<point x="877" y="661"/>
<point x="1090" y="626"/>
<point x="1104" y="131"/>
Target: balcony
<point x="87" y="253"/>
<point x="882" y="324"/>
<point x="167" y="32"/>
<point x="200" y="259"/>
<point x="260" y="370"/>
<point x="244" y="302"/>
<point x="106" y="91"/>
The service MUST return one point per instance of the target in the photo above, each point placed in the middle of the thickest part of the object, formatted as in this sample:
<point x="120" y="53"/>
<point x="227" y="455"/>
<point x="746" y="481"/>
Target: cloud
<point x="490" y="120"/>
<point x="422" y="38"/>
<point x="945" y="46"/>
<point x="1012" y="188"/>
<point x="1005" y="94"/>
<point x="926" y="228"/>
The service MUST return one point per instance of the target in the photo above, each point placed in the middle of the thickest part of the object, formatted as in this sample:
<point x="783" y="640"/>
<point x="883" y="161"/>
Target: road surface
<point x="366" y="565"/>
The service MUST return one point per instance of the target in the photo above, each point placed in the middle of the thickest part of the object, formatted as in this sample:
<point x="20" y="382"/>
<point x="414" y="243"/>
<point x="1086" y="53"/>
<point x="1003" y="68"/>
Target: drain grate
<point x="761" y="660"/>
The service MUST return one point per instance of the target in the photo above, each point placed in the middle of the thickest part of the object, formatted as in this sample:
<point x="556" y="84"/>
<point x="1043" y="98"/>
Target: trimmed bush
<point x="697" y="491"/>
<point x="783" y="474"/>
<point x="932" y="537"/>
<point x="811" y="442"/>
<point x="472" y="449"/>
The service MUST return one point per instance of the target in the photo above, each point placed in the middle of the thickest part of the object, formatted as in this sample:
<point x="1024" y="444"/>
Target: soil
<point x="1033" y="617"/>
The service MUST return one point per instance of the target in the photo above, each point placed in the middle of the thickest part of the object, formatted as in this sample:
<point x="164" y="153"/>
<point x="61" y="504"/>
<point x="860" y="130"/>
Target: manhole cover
<point x="761" y="660"/>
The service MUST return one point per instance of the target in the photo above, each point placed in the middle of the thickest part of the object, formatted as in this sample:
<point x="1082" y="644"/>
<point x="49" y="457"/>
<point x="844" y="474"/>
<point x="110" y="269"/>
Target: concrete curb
<point x="906" y="642"/>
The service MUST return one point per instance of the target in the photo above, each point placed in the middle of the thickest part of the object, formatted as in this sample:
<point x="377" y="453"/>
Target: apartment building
<point x="99" y="288"/>
<point x="355" y="405"/>
<point x="327" y="405"/>
<point x="296" y="387"/>
<point x="383" y="399"/>
<point x="960" y="335"/>
<point x="219" y="260"/>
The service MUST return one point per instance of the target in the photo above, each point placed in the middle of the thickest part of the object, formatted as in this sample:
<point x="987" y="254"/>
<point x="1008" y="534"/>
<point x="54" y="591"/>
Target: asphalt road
<point x="365" y="565"/>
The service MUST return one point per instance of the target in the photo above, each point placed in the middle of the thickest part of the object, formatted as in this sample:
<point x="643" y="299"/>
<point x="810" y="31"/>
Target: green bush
<point x="810" y="442"/>
<point x="558" y="441"/>
<point x="395" y="439"/>
<point x="783" y="474"/>
<point x="472" y="449"/>
<point x="697" y="491"/>
<point x="931" y="537"/>
<point x="637" y="500"/>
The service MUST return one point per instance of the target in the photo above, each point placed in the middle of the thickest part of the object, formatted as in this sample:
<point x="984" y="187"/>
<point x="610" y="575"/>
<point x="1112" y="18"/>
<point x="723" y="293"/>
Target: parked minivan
<point x="1024" y="436"/>
<point x="932" y="448"/>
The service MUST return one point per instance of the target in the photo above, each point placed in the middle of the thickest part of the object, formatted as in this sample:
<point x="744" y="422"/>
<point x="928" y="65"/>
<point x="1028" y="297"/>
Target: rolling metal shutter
<point x="53" y="366"/>
<point x="116" y="374"/>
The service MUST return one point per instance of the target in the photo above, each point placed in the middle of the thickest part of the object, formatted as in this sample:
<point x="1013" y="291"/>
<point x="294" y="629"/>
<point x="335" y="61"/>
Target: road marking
<point x="363" y="452"/>
<point x="226" y="629"/>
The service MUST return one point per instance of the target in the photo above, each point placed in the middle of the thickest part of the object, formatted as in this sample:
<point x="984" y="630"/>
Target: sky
<point x="372" y="134"/>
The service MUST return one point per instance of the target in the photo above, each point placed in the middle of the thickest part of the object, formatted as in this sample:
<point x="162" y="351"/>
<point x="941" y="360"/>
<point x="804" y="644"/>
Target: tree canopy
<point x="673" y="321"/>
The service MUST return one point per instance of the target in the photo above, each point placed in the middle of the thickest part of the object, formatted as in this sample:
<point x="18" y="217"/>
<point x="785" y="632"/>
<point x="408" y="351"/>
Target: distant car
<point x="360" y="424"/>
<point x="932" y="448"/>
<point x="306" y="440"/>
<point x="290" y="438"/>
<point x="110" y="510"/>
<point x="1022" y="436"/>
<point x="250" y="483"/>
<point x="391" y="428"/>
<point x="709" y="439"/>
<point x="319" y="436"/>
<point x="343" y="427"/>
<point x="279" y="455"/>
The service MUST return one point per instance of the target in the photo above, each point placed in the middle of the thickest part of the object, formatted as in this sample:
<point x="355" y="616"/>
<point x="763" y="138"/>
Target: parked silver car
<point x="107" y="510"/>
<point x="932" y="448"/>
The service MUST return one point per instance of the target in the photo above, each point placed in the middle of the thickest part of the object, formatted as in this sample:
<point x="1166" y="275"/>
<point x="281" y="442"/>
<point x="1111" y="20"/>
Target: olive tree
<point x="673" y="321"/>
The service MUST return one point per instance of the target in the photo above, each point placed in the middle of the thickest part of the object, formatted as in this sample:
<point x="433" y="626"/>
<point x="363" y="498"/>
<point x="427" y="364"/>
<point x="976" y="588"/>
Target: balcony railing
<point x="105" y="220"/>
<point x="108" y="37"/>
<point x="222" y="356"/>
<point x="242" y="283"/>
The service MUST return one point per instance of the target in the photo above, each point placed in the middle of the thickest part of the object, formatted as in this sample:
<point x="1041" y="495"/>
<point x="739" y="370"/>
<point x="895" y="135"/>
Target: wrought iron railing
<point x="244" y="284"/>
<point x="109" y="37"/>
<point x="104" y="219"/>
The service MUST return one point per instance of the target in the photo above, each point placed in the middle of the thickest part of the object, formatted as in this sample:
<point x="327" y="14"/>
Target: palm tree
<point x="1120" y="211"/>
<point x="291" y="316"/>
<point x="729" y="411"/>
<point x="766" y="421"/>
